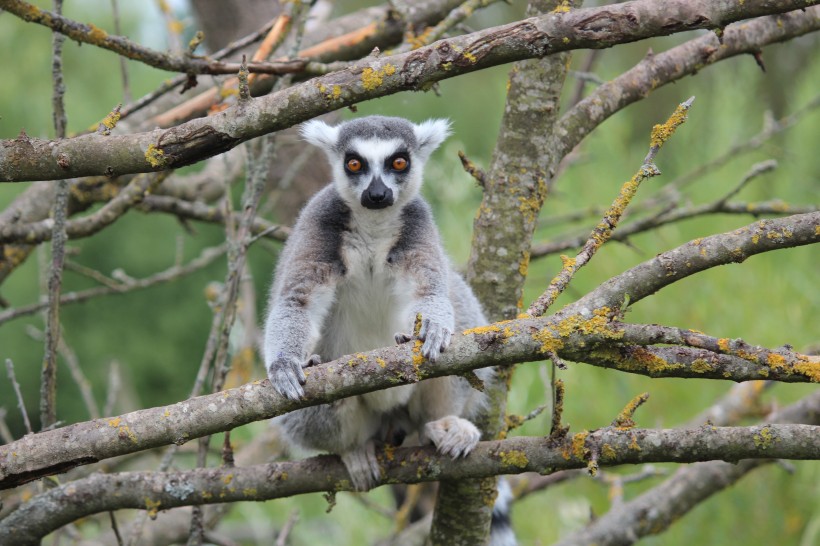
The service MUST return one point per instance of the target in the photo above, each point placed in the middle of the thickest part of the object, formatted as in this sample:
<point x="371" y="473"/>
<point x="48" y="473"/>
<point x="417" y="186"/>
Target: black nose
<point x="377" y="195"/>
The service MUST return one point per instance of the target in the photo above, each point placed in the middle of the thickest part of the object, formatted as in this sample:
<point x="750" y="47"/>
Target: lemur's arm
<point x="418" y="255"/>
<point x="309" y="269"/>
<point x="293" y="325"/>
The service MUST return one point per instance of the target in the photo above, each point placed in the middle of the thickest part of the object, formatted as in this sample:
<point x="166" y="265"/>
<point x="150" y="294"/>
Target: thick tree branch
<point x="570" y="333"/>
<point x="687" y="362"/>
<point x="508" y="342"/>
<point x="732" y="247"/>
<point x="154" y="491"/>
<point x="514" y="191"/>
<point x="132" y="194"/>
<point x="655" y="510"/>
<point x="24" y="158"/>
<point x="686" y="59"/>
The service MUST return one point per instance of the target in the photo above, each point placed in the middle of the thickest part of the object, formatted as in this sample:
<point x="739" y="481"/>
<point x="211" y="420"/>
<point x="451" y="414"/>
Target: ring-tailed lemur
<point x="362" y="260"/>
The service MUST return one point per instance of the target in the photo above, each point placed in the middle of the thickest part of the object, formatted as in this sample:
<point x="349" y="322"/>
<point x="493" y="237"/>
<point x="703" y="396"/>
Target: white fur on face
<point x="375" y="152"/>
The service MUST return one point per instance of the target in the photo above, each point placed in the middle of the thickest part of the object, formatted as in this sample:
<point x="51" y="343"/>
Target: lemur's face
<point x="376" y="173"/>
<point x="377" y="161"/>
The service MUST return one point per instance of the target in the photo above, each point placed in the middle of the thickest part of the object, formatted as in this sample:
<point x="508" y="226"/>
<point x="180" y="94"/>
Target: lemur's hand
<point x="436" y="337"/>
<point x="286" y="374"/>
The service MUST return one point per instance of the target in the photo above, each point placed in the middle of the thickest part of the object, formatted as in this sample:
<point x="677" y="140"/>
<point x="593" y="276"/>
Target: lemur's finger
<point x="424" y="330"/>
<point x="446" y="339"/>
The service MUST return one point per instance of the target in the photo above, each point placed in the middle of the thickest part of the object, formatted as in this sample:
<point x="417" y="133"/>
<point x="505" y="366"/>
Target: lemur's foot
<point x="452" y="435"/>
<point x="363" y="466"/>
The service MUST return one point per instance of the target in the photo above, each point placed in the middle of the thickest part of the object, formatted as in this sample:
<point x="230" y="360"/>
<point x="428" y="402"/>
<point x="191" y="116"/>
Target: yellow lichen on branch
<point x="563" y="7"/>
<point x="603" y="231"/>
<point x="155" y="156"/>
<point x="152" y="507"/>
<point x="624" y="419"/>
<point x="110" y="121"/>
<point x="552" y="337"/>
<point x="372" y="79"/>
<point x="662" y="132"/>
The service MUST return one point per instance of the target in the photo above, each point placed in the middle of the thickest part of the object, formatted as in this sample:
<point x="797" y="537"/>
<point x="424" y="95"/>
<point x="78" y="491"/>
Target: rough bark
<point x="514" y="190"/>
<point x="154" y="491"/>
<point x="578" y="336"/>
<point x="26" y="159"/>
<point x="654" y="511"/>
<point x="657" y="70"/>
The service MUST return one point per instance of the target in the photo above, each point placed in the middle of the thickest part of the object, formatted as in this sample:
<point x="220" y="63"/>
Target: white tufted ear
<point x="320" y="134"/>
<point x="430" y="134"/>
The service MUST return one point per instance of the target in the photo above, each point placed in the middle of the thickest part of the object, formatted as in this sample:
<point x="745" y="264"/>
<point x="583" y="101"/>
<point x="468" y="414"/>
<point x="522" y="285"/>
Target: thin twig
<point x="603" y="231"/>
<point x="126" y="88"/>
<point x="92" y="274"/>
<point x="114" y="387"/>
<point x="73" y="364"/>
<point x="115" y="527"/>
<point x="16" y="386"/>
<point x="624" y="418"/>
<point x="453" y="18"/>
<point x="671" y="215"/>
<point x="206" y="257"/>
<point x="616" y="482"/>
<point x="476" y="172"/>
<point x="89" y="34"/>
<point x="48" y="382"/>
<point x="585" y="76"/>
<point x="756" y="170"/>
<point x="175" y="82"/>
<point x="5" y="431"/>
<point x="282" y="537"/>
<point x="556" y="429"/>
<point x="770" y="129"/>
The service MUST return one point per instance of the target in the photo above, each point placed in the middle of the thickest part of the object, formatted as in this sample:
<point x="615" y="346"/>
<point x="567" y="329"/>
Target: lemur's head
<point x="377" y="161"/>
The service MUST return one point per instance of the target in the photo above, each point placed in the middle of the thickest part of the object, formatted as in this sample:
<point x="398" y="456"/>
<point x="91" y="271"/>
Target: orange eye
<point x="354" y="165"/>
<point x="399" y="164"/>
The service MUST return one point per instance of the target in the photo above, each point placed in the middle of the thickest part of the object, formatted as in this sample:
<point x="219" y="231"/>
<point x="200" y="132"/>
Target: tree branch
<point x="24" y="158"/>
<point x="132" y="194"/>
<point x="655" y="510"/>
<point x="774" y="207"/>
<point x="686" y="59"/>
<point x="206" y="257"/>
<point x="507" y="342"/>
<point x="91" y="34"/>
<point x="698" y="255"/>
<point x="154" y="491"/>
<point x="603" y="231"/>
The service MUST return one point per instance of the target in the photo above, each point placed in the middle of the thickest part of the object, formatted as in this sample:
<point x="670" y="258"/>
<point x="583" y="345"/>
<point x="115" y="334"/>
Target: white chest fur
<point x="371" y="303"/>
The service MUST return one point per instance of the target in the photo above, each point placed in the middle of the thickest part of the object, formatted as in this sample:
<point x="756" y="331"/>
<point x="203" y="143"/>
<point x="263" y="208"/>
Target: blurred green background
<point x="157" y="335"/>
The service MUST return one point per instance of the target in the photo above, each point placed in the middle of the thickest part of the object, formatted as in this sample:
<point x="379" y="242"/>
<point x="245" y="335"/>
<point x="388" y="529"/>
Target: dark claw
<point x="402" y="338"/>
<point x="314" y="360"/>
